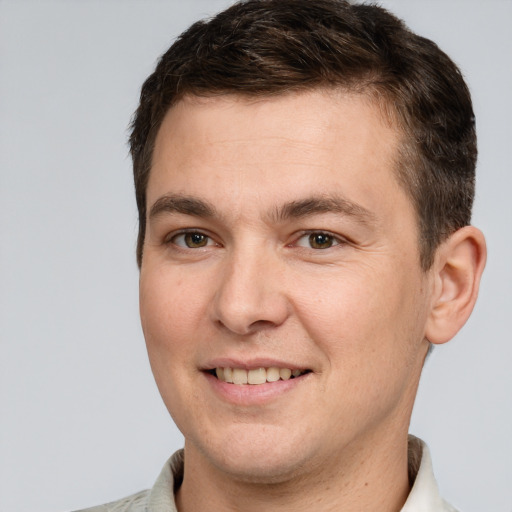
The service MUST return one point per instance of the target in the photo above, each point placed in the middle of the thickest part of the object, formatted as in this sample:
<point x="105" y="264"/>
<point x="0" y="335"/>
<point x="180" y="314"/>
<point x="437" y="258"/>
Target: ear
<point x="457" y="269"/>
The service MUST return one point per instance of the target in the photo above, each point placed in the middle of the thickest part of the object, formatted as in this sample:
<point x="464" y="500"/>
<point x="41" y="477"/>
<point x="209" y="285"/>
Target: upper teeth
<point x="257" y="376"/>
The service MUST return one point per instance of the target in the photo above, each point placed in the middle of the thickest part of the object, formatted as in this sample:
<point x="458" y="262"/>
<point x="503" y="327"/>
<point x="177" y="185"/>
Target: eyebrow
<point x="189" y="205"/>
<point x="323" y="204"/>
<point x="186" y="205"/>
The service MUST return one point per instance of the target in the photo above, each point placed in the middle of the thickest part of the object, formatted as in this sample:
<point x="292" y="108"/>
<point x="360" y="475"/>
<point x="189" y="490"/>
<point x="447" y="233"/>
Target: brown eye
<point x="193" y="240"/>
<point x="320" y="241"/>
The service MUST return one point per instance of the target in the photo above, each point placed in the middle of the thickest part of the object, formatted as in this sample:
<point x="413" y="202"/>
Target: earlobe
<point x="457" y="270"/>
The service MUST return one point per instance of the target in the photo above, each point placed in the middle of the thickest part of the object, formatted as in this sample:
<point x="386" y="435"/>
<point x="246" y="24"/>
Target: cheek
<point x="169" y="312"/>
<point x="167" y="300"/>
<point x="366" y="326"/>
<point x="362" y="312"/>
<point x="169" y="317"/>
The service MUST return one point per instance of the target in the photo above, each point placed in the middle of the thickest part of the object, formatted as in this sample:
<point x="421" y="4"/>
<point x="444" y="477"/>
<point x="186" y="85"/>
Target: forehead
<point x="299" y="144"/>
<point x="316" y="116"/>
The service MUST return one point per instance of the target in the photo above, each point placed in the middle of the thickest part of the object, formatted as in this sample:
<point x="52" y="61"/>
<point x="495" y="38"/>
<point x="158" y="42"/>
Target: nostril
<point x="261" y="325"/>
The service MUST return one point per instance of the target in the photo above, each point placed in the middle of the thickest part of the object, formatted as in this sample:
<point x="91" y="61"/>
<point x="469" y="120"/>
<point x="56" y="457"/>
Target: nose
<point x="251" y="295"/>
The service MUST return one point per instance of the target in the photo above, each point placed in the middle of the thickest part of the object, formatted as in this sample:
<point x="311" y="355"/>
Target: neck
<point x="370" y="476"/>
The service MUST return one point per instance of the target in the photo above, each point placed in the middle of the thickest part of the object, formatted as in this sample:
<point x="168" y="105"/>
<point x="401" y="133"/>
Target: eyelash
<point x="330" y="240"/>
<point x="190" y="232"/>
<point x="335" y="240"/>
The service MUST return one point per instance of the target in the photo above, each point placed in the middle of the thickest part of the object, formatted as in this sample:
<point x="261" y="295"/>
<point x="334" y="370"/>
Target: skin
<point x="355" y="312"/>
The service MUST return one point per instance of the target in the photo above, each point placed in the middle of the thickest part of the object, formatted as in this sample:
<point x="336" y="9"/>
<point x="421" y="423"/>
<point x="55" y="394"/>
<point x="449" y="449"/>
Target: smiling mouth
<point x="241" y="376"/>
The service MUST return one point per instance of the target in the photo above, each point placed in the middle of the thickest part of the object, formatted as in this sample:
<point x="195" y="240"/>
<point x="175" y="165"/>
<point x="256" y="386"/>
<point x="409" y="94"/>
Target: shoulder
<point x="160" y="498"/>
<point x="134" y="503"/>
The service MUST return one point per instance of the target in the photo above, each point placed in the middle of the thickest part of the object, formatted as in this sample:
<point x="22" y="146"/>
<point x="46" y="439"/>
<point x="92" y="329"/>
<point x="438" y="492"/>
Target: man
<point x="304" y="174"/>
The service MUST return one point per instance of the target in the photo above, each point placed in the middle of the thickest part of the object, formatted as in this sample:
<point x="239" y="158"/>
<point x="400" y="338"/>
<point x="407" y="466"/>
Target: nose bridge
<point x="250" y="294"/>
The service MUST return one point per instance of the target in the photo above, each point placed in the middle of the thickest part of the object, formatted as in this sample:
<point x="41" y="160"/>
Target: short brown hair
<point x="270" y="47"/>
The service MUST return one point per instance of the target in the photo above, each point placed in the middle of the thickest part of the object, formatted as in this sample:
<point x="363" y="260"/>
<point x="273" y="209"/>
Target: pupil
<point x="320" y="240"/>
<point x="196" y="240"/>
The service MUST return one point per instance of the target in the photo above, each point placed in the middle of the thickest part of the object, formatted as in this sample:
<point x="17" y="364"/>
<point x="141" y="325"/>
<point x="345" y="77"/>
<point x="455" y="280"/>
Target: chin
<point x="262" y="471"/>
<point x="260" y="460"/>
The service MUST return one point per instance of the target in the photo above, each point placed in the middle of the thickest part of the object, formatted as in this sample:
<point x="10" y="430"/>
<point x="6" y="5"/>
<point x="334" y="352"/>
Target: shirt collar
<point x="424" y="495"/>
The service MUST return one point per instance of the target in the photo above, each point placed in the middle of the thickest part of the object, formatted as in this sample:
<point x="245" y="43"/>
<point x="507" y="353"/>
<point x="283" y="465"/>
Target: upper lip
<point x="251" y="364"/>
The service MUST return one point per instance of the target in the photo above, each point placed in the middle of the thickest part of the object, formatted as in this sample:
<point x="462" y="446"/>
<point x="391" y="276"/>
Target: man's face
<point x="278" y="237"/>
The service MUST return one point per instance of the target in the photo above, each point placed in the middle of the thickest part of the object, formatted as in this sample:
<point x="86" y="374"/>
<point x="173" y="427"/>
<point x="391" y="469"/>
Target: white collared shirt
<point x="424" y="495"/>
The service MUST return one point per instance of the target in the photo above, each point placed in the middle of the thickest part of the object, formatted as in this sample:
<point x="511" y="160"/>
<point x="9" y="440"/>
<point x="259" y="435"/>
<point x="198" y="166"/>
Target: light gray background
<point x="80" y="417"/>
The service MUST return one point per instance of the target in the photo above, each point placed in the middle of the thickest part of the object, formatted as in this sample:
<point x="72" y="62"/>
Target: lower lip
<point x="253" y="394"/>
